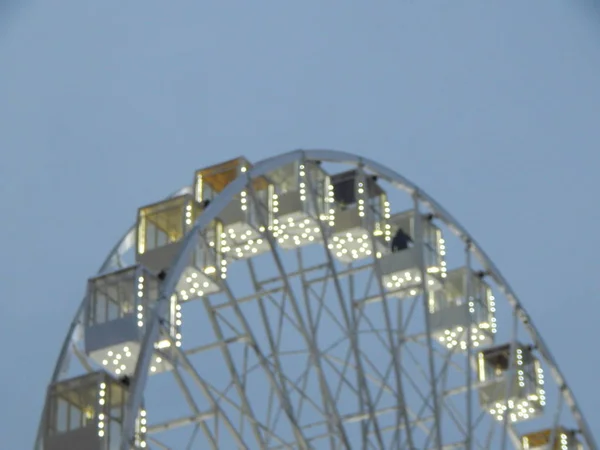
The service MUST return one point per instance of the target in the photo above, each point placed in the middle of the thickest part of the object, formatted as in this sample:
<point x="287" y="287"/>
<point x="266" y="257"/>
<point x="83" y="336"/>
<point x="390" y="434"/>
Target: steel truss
<point x="307" y="352"/>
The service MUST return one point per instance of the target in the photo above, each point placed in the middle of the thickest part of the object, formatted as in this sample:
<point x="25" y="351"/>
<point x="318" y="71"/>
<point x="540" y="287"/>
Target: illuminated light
<point x="210" y="270"/>
<point x="164" y="343"/>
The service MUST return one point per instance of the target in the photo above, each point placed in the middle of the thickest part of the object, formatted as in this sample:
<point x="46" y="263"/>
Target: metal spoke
<point x="296" y="344"/>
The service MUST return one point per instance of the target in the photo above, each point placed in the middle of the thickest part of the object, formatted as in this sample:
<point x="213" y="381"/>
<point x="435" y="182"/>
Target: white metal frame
<point x="262" y="168"/>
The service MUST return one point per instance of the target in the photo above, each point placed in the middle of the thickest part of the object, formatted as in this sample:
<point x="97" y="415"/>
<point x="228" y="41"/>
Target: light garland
<point x="298" y="228"/>
<point x="523" y="405"/>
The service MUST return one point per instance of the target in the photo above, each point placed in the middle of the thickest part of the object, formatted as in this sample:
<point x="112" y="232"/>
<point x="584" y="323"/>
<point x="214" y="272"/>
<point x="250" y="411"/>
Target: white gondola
<point x="161" y="228"/>
<point x="117" y="311"/>
<point x="453" y="309"/>
<point x="401" y="267"/>
<point x="244" y="220"/>
<point x="87" y="413"/>
<point x="518" y="393"/>
<point x="361" y="208"/>
<point x="296" y="215"/>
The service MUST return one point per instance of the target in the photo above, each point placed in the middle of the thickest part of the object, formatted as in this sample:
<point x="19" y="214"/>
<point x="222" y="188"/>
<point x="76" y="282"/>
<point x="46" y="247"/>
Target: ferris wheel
<point x="315" y="299"/>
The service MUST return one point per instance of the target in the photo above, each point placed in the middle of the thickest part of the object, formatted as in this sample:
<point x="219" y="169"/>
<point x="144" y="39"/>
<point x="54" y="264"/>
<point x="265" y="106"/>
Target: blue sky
<point x="491" y="107"/>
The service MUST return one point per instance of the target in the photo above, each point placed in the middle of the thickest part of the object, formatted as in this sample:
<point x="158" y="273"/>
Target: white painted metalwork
<point x="119" y="306"/>
<point x="295" y="215"/>
<point x="465" y="301"/>
<point x="241" y="235"/>
<point x="293" y="322"/>
<point x="87" y="412"/>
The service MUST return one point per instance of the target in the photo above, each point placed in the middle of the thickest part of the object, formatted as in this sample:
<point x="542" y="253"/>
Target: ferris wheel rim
<point x="115" y="251"/>
<point x="263" y="167"/>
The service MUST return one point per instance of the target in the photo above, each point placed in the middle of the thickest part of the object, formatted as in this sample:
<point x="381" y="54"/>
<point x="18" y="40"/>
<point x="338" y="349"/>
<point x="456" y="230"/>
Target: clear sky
<point x="492" y="107"/>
